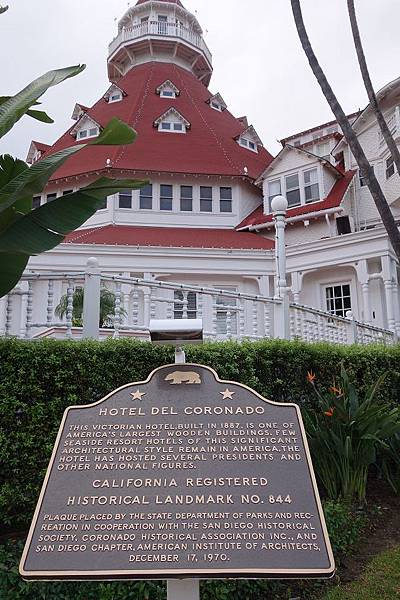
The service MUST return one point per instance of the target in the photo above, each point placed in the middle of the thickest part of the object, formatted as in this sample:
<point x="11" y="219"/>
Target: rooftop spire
<point x="159" y="31"/>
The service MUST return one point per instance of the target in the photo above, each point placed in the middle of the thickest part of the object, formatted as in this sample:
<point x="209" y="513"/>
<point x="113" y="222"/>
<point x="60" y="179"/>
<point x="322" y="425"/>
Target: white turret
<point x="162" y="31"/>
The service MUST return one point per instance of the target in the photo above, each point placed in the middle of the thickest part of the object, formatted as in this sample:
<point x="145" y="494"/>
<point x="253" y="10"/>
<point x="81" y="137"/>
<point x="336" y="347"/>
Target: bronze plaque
<point x="182" y="475"/>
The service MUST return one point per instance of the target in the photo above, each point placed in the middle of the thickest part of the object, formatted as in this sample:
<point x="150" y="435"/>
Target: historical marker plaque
<point x="183" y="475"/>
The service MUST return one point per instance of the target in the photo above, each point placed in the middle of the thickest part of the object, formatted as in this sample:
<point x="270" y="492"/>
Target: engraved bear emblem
<point x="179" y="377"/>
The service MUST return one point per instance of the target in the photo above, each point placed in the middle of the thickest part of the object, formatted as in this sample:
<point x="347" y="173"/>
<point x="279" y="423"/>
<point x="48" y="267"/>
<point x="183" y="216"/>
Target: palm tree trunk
<point x="388" y="137"/>
<point x="351" y="138"/>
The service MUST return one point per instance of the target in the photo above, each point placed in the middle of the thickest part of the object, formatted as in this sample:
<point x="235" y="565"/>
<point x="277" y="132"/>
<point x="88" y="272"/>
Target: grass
<point x="381" y="580"/>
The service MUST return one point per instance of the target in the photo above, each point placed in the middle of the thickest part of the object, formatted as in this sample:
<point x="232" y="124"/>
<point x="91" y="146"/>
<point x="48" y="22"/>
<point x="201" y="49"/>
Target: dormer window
<point x="167" y="126"/>
<point x="87" y="133"/>
<point x="86" y="128"/>
<point x="172" y="122"/>
<point x="249" y="139"/>
<point x="217" y="103"/>
<point x="248" y="144"/>
<point x="114" y="94"/>
<point x="168" y="90"/>
<point x="117" y="97"/>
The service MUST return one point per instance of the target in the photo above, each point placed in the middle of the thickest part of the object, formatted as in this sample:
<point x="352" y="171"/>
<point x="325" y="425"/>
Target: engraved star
<point x="137" y="395"/>
<point x="227" y="394"/>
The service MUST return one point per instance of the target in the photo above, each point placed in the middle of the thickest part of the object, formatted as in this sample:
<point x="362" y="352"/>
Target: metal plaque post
<point x="182" y="589"/>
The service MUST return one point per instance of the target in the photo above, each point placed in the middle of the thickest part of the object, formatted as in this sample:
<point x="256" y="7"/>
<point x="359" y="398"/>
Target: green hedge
<point x="38" y="380"/>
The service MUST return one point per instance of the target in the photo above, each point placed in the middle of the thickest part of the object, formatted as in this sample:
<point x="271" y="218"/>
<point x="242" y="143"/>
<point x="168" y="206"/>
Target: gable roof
<point x="113" y="87"/>
<point x="333" y="200"/>
<point x="79" y="110"/>
<point x="219" y="100"/>
<point x="34" y="148"/>
<point x="85" y="117"/>
<point x="169" y="237"/>
<point x="175" y="113"/>
<point x="209" y="148"/>
<point x="168" y="84"/>
<point x="301" y="150"/>
<point x="251" y="133"/>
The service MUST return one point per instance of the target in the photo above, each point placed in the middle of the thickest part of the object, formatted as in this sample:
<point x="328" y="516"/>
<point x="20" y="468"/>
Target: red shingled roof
<point x="169" y="237"/>
<point x="333" y="200"/>
<point x="209" y="147"/>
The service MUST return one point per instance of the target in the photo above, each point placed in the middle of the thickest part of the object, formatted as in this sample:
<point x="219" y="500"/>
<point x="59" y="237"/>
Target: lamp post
<point x="279" y="207"/>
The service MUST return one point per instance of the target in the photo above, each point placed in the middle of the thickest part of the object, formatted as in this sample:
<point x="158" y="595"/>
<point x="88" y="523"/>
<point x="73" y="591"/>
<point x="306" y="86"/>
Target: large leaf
<point x="39" y="115"/>
<point x="35" y="179"/>
<point x="45" y="227"/>
<point x="115" y="135"/>
<point x="9" y="169"/>
<point x="12" y="267"/>
<point x="15" y="107"/>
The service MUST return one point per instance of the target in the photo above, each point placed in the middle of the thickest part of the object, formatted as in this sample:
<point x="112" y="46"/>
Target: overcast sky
<point x="259" y="66"/>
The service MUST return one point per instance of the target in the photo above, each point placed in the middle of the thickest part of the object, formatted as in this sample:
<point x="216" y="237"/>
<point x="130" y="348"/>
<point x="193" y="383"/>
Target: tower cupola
<point x="160" y="31"/>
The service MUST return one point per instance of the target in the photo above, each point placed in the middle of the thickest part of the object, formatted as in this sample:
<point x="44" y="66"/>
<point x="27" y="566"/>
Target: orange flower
<point x="311" y="377"/>
<point x="329" y="413"/>
<point x="335" y="390"/>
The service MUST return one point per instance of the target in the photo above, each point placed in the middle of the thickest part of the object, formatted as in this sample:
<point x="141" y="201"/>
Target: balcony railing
<point x="162" y="30"/>
<point x="29" y="311"/>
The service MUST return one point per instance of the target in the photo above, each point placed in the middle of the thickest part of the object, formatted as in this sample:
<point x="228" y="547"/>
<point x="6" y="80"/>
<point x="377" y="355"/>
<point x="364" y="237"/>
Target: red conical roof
<point x="209" y="147"/>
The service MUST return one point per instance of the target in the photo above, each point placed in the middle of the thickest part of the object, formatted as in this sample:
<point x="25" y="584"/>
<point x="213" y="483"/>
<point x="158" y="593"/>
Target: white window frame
<point x="390" y="169"/>
<point x="168" y="94"/>
<point x="245" y="143"/>
<point x="300" y="173"/>
<point x="172" y="129"/>
<point x="216" y="106"/>
<point x="310" y="185"/>
<point x="285" y="178"/>
<point x="88" y="135"/>
<point x="116" y="97"/>
<point x="332" y="285"/>
<point x="270" y="195"/>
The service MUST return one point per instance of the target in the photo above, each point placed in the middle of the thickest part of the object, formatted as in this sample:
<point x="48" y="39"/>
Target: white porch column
<point x="364" y="278"/>
<point x="387" y="273"/>
<point x="389" y="304"/>
<point x="396" y="304"/>
<point x="366" y="302"/>
<point x="297" y="284"/>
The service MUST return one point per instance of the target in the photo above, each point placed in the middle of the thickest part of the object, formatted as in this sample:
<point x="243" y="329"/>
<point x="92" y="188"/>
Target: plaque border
<point x="137" y="574"/>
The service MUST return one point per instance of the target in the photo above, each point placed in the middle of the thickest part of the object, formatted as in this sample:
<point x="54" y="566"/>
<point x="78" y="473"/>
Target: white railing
<point x="29" y="311"/>
<point x="160" y="29"/>
<point x="312" y="325"/>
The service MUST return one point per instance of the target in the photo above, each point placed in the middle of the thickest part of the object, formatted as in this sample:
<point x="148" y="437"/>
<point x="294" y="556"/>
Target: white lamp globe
<point x="279" y="204"/>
